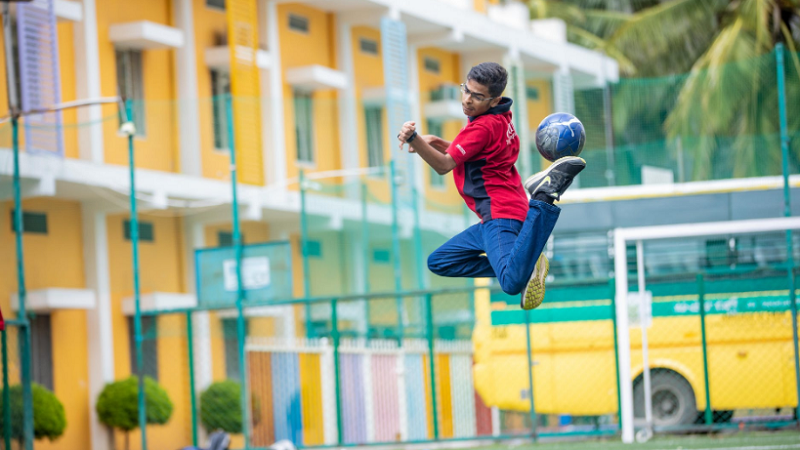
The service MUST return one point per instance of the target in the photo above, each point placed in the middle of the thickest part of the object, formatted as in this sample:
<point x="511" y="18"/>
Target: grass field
<point x="778" y="440"/>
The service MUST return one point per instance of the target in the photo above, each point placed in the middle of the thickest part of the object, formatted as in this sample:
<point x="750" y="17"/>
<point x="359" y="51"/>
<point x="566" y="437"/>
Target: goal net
<point x="707" y="325"/>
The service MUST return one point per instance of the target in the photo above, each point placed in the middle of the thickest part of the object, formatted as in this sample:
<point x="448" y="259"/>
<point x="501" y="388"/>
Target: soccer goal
<point x="707" y="325"/>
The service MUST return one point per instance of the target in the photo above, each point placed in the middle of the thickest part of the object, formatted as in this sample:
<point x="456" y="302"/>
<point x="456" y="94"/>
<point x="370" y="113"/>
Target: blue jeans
<point x="511" y="248"/>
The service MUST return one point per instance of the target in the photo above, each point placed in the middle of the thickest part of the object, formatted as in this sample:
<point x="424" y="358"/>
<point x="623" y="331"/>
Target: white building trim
<point x="87" y="80"/>
<point x="186" y="82"/>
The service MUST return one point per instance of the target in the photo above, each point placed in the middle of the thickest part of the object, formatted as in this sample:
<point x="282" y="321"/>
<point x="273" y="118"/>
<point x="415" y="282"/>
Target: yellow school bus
<point x="749" y="336"/>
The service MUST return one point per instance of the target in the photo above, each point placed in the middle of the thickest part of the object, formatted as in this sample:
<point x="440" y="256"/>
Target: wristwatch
<point x="411" y="138"/>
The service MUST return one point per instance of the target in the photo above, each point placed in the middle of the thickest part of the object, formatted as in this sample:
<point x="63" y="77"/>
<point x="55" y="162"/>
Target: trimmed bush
<point x="49" y="418"/>
<point x="220" y="407"/>
<point x="118" y="404"/>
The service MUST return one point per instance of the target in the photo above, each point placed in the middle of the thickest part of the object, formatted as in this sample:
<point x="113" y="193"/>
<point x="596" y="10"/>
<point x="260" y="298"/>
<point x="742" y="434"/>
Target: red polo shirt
<point x="485" y="152"/>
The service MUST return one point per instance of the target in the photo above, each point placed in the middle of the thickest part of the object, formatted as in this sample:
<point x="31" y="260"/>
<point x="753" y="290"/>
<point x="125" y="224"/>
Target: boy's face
<point x="475" y="98"/>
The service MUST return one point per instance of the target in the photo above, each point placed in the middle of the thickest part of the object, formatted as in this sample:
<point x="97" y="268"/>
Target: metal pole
<point x="648" y="400"/>
<point x="398" y="274"/>
<point x="304" y="253"/>
<point x="787" y="211"/>
<point x="337" y="370"/>
<point x="192" y="392"/>
<point x="419" y="256"/>
<point x="534" y="429"/>
<point x="137" y="317"/>
<point x="613" y="292"/>
<point x="24" y="329"/>
<point x="365" y="251"/>
<point x="701" y="297"/>
<point x="609" y="131"/>
<point x="431" y="363"/>
<point x="237" y="245"/>
<point x="6" y="395"/>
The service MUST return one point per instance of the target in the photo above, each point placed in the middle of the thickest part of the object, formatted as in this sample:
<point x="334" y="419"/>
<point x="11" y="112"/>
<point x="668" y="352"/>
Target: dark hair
<point x="491" y="75"/>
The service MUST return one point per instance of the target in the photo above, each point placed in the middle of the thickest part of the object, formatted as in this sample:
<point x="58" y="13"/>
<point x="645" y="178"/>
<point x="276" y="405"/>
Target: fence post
<point x="613" y="290"/>
<point x="365" y="252"/>
<point x="192" y="393"/>
<point x="337" y="370"/>
<point x="237" y="245"/>
<point x="534" y="431"/>
<point x="137" y="319"/>
<point x="304" y="252"/>
<point x="701" y="295"/>
<point x="787" y="211"/>
<point x="6" y="394"/>
<point x="431" y="362"/>
<point x="398" y="274"/>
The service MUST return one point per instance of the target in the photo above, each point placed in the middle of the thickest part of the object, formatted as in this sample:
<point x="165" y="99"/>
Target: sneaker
<point x="554" y="180"/>
<point x="533" y="295"/>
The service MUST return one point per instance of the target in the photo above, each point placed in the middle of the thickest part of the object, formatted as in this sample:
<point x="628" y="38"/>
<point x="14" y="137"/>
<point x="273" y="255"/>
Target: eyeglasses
<point x="475" y="96"/>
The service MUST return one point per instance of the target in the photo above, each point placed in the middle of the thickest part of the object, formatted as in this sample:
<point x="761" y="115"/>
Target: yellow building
<point x="320" y="106"/>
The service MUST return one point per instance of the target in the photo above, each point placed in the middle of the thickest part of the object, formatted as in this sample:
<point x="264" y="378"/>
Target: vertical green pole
<point x="192" y="388"/>
<point x="24" y="328"/>
<point x="419" y="256"/>
<point x="431" y="363"/>
<point x="336" y="371"/>
<point x="137" y="318"/>
<point x="237" y="245"/>
<point x="304" y="252"/>
<point x="534" y="430"/>
<point x="613" y="291"/>
<point x="787" y="211"/>
<point x="398" y="274"/>
<point x="701" y="297"/>
<point x="365" y="251"/>
<point x="6" y="394"/>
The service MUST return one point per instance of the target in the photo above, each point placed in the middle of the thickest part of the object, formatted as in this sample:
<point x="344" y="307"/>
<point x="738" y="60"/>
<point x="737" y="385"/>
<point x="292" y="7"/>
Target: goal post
<point x="623" y="237"/>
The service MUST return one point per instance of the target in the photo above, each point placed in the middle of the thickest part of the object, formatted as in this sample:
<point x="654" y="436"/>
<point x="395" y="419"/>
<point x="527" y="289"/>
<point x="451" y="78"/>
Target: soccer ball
<point x="560" y="135"/>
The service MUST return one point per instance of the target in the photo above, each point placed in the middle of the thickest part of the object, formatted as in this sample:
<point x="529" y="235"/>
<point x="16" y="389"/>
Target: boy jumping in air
<point x="508" y="242"/>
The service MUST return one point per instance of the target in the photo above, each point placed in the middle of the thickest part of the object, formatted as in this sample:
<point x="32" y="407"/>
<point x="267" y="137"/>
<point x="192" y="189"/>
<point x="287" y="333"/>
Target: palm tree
<point x="725" y="108"/>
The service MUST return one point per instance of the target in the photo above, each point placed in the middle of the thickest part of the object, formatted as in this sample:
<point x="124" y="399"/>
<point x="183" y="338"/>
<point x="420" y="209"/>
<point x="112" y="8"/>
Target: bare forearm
<point x="437" y="143"/>
<point x="438" y="159"/>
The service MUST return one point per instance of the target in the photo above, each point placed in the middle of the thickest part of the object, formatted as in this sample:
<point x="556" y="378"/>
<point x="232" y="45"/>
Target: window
<point x="368" y="46"/>
<point x="42" y="350"/>
<point x="129" y="82"/>
<point x="149" y="346"/>
<point x="220" y="88"/>
<point x="230" y="334"/>
<point x="32" y="222"/>
<point x="374" y="122"/>
<point x="216" y="4"/>
<point x="531" y="93"/>
<point x="304" y="125"/>
<point x="435" y="128"/>
<point x="432" y="65"/>
<point x="146" y="233"/>
<point x="298" y="23"/>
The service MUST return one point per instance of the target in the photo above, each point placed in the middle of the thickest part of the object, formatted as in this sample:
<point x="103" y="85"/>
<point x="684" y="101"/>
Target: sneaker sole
<point x="534" y="291"/>
<point x="537" y="177"/>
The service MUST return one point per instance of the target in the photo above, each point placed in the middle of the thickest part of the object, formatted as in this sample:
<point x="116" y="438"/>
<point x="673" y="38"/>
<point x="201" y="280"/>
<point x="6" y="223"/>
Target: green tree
<point x="725" y="108"/>
<point x="49" y="418"/>
<point x="118" y="405"/>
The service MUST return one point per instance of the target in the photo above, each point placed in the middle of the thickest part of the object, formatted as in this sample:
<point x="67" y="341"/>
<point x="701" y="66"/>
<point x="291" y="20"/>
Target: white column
<point x="348" y="130"/>
<point x="517" y="91"/>
<point x="277" y="173"/>
<point x="87" y="84"/>
<point x="194" y="238"/>
<point x="563" y="94"/>
<point x="186" y="81"/>
<point x="416" y="113"/>
<point x="100" y="334"/>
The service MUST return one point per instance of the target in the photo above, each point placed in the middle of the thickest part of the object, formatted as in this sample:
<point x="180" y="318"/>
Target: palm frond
<point x="586" y="39"/>
<point x="545" y="9"/>
<point x="604" y="23"/>
<point x="668" y="37"/>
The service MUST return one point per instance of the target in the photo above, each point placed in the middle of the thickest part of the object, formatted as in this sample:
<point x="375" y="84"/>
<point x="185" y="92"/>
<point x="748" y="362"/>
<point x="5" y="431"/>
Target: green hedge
<point x="49" y="418"/>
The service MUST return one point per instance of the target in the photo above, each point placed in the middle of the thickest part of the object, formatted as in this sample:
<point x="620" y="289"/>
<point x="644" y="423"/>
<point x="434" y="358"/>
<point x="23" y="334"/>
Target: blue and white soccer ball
<point x="560" y="135"/>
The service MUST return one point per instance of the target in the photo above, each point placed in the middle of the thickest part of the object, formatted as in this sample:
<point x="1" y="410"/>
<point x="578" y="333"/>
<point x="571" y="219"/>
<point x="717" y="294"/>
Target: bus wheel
<point x="672" y="397"/>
